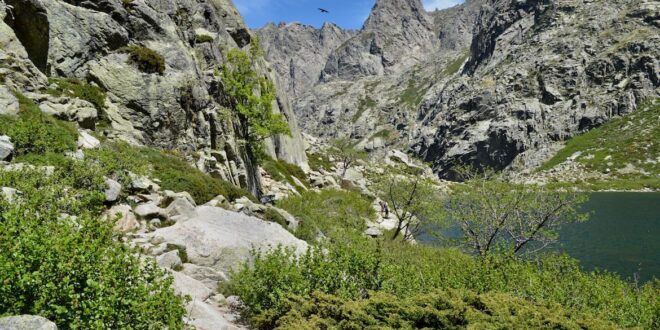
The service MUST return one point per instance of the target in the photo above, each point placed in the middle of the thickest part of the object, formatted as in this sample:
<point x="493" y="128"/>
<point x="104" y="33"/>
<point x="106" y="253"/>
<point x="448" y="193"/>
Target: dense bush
<point x="70" y="269"/>
<point x="451" y="309"/>
<point x="34" y="132"/>
<point x="334" y="213"/>
<point x="146" y="59"/>
<point x="405" y="270"/>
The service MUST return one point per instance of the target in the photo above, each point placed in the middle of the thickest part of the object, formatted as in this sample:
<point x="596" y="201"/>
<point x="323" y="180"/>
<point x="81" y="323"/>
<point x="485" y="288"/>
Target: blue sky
<point x="348" y="14"/>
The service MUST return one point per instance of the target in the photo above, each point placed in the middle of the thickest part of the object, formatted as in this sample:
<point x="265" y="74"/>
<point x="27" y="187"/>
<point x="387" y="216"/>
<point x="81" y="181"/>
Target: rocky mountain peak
<point x="389" y="14"/>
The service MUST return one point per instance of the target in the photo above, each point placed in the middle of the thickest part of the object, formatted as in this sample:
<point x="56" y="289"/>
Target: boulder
<point x="169" y="196"/>
<point x="26" y="322"/>
<point x="70" y="109"/>
<point x="222" y="240"/>
<point x="169" y="260"/>
<point x="142" y="184"/>
<point x="292" y="222"/>
<point x="6" y="148"/>
<point x="373" y="232"/>
<point x="185" y="285"/>
<point x="179" y="209"/>
<point x="127" y="221"/>
<point x="87" y="141"/>
<point x="8" y="102"/>
<point x="148" y="211"/>
<point x="113" y="191"/>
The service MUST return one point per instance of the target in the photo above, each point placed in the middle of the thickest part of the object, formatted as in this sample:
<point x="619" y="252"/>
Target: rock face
<point x="26" y="322"/>
<point x="6" y="148"/>
<point x="179" y="109"/>
<point x="299" y="52"/>
<point x="489" y="83"/>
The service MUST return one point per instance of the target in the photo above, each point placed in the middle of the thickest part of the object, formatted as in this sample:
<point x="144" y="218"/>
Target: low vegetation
<point x="284" y="172"/>
<point x="203" y="38"/>
<point x="362" y="272"/>
<point x="58" y="259"/>
<point x="72" y="87"/>
<point x="146" y="59"/>
<point x="34" y="132"/>
<point x="333" y="213"/>
<point x="627" y="148"/>
<point x="319" y="161"/>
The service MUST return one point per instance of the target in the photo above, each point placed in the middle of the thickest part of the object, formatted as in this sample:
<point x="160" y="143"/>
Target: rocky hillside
<point x="155" y="66"/>
<point x="490" y="83"/>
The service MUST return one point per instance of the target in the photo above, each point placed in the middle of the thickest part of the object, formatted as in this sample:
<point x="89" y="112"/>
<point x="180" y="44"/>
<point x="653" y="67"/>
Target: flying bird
<point x="325" y="11"/>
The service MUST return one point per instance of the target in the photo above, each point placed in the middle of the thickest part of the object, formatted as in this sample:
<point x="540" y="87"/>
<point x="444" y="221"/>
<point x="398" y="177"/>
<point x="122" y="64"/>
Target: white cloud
<point x="440" y="4"/>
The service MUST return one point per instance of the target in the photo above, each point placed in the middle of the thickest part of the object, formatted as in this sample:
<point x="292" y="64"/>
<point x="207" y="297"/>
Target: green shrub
<point x="345" y="270"/>
<point x="34" y="132"/>
<point x="274" y="216"/>
<point x="283" y="171"/>
<point x="146" y="59"/>
<point x="203" y="38"/>
<point x="318" y="161"/>
<point x="451" y="309"/>
<point x="405" y="270"/>
<point x="72" y="271"/>
<point x="332" y="212"/>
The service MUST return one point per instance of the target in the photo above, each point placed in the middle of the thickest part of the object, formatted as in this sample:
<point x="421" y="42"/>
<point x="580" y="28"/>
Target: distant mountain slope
<point x="500" y="84"/>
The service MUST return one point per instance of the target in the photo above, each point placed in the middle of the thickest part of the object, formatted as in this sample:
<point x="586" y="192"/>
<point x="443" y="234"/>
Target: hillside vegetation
<point x="625" y="151"/>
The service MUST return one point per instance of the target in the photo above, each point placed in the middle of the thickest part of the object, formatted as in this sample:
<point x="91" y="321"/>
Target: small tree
<point x="518" y="218"/>
<point x="414" y="202"/>
<point x="251" y="96"/>
<point x="342" y="149"/>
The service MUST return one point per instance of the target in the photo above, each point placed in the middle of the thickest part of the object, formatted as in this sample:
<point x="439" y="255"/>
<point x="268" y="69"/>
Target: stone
<point x="142" y="184"/>
<point x="127" y="222"/>
<point x="87" y="141"/>
<point x="170" y="260"/>
<point x="148" y="211"/>
<point x="9" y="194"/>
<point x="179" y="210"/>
<point x="291" y="221"/>
<point x="6" y="148"/>
<point x="373" y="232"/>
<point x="8" y="102"/>
<point x="113" y="190"/>
<point x="222" y="240"/>
<point x="70" y="109"/>
<point x="169" y="196"/>
<point x="26" y="322"/>
<point x="185" y="285"/>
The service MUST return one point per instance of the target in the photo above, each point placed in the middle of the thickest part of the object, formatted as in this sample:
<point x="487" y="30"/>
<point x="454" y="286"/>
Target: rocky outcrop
<point x="181" y="109"/>
<point x="6" y="148"/>
<point x="398" y="33"/>
<point x="299" y="52"/>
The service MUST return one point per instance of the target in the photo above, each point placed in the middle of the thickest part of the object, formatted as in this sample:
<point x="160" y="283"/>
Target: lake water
<point x="622" y="235"/>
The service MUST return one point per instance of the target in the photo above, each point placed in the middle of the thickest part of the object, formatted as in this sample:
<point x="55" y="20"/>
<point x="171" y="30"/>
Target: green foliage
<point x="203" y="38"/>
<point x="385" y="134"/>
<point x="404" y="270"/>
<point x="414" y="93"/>
<point x="251" y="96"/>
<point x="34" y="132"/>
<point x="71" y="270"/>
<point x="335" y="213"/>
<point x="344" y="270"/>
<point x="318" y="161"/>
<point x="283" y="171"/>
<point x="146" y="59"/>
<point x="173" y="171"/>
<point x="632" y="140"/>
<point x="439" y="309"/>
<point x="414" y="202"/>
<point x="497" y="215"/>
<point x="344" y="151"/>
<point x="274" y="216"/>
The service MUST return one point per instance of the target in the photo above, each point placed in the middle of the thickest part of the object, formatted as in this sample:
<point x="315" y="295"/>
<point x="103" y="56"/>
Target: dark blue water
<point x="621" y="236"/>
